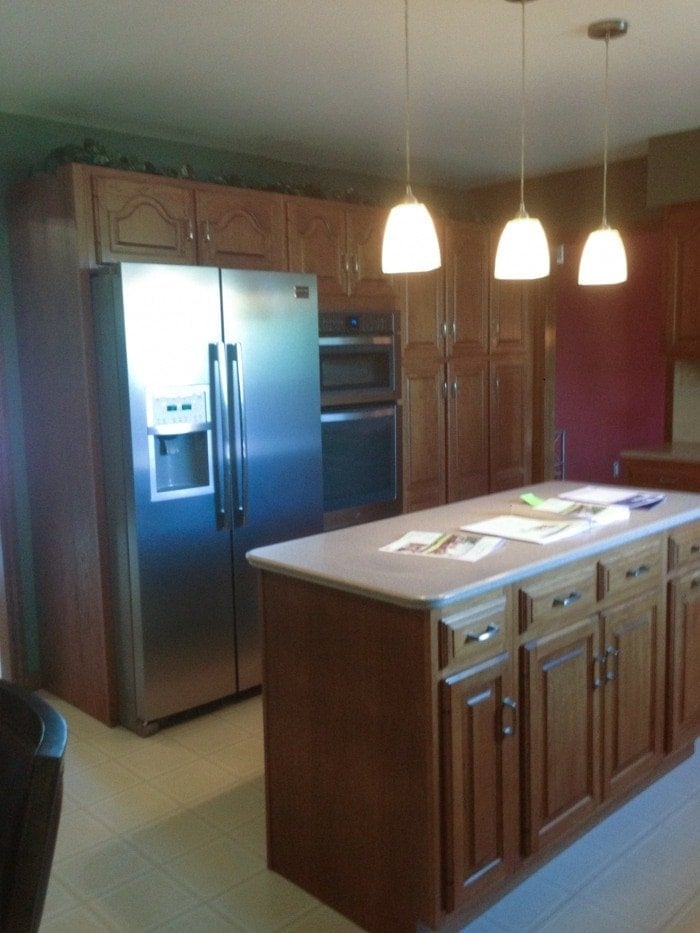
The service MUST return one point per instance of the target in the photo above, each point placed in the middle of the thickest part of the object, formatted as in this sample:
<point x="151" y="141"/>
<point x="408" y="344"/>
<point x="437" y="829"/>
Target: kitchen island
<point x="435" y="729"/>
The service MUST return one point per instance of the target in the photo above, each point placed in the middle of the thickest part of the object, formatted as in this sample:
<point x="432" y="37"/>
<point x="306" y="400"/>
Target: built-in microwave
<point x="359" y="356"/>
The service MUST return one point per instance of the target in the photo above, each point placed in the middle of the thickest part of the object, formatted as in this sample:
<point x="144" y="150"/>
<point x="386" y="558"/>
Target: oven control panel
<point x="337" y="323"/>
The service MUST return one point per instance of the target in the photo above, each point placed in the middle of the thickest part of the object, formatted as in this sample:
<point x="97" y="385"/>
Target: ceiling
<point x="321" y="82"/>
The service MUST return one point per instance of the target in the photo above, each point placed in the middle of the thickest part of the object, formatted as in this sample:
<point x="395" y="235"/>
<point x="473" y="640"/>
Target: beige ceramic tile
<point x="172" y="837"/>
<point x="212" y="869"/>
<point x="152" y="898"/>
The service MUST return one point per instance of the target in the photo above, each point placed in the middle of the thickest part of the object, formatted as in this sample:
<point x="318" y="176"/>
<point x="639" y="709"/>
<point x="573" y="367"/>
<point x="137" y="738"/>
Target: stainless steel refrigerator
<point x="210" y="422"/>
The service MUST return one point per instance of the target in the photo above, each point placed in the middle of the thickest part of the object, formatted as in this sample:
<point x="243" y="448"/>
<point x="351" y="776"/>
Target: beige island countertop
<point x="350" y="559"/>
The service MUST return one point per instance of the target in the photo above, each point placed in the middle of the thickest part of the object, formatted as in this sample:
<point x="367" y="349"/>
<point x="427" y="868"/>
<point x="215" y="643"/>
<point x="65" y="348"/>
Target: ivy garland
<point x="95" y="153"/>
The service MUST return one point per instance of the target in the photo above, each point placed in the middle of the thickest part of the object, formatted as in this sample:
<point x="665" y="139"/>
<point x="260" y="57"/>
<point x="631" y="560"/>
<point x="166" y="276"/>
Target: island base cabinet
<point x="561" y="747"/>
<point x="481" y="784"/>
<point x="684" y="657"/>
<point x="634" y="693"/>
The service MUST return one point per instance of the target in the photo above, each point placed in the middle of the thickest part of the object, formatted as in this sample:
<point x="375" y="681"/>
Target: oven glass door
<point x="359" y="456"/>
<point x="357" y="366"/>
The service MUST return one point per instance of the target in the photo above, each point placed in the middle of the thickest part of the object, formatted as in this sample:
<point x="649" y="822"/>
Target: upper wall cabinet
<point x="682" y="239"/>
<point x="342" y="245"/>
<point x="140" y="218"/>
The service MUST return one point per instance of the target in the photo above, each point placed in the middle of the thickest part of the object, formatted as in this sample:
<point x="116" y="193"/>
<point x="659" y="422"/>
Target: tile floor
<point x="167" y="833"/>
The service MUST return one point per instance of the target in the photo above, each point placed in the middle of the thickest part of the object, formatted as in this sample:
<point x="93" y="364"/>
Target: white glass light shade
<point x="603" y="260"/>
<point x="410" y="241"/>
<point x="523" y="252"/>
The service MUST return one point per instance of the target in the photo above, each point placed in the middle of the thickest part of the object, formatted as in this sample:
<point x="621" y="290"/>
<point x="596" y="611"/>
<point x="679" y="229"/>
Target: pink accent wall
<point x="610" y="369"/>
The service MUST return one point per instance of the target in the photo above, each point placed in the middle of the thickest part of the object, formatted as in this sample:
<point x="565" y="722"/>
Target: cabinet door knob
<point x="190" y="229"/>
<point x="638" y="571"/>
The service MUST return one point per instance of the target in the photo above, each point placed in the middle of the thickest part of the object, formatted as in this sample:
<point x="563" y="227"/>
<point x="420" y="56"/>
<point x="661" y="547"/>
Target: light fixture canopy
<point x="523" y="251"/>
<point x="603" y="260"/>
<point x="410" y="241"/>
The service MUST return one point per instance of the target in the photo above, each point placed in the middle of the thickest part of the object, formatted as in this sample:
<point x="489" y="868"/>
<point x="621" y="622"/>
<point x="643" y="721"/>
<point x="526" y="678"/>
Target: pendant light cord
<point x="522" y="113"/>
<point x="605" y="135"/>
<point x="407" y="105"/>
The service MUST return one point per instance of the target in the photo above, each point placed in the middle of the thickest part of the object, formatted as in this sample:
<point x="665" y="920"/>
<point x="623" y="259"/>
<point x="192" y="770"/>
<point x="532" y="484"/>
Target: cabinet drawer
<point x="474" y="629"/>
<point x="557" y="597"/>
<point x="629" y="569"/>
<point x="684" y="545"/>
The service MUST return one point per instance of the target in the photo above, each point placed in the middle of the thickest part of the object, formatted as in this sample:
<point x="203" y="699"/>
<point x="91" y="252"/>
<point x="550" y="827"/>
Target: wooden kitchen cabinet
<point x="683" y="714"/>
<point x="480" y="765"/>
<point x="139" y="218"/>
<point x="682" y="273"/>
<point x="342" y="245"/>
<point x="467" y="361"/>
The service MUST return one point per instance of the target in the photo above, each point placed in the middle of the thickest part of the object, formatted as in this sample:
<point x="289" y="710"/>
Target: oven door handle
<point x="356" y="414"/>
<point x="377" y="340"/>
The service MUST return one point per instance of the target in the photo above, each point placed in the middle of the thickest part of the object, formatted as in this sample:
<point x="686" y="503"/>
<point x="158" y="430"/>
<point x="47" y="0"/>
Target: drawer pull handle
<point x="563" y="601"/>
<point x="509" y="703"/>
<point x="487" y="633"/>
<point x="639" y="572"/>
<point x="601" y="660"/>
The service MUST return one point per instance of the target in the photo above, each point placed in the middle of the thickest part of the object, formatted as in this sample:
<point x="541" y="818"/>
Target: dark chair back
<point x="32" y="745"/>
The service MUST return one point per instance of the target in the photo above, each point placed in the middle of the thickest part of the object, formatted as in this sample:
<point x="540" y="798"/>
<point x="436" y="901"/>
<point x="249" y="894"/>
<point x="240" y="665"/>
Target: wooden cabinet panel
<point x="510" y="423"/>
<point x="471" y="632"/>
<point x="684" y="659"/>
<point x="467" y="428"/>
<point x="466" y="287"/>
<point x="240" y="229"/>
<point x="364" y="235"/>
<point x="556" y="599"/>
<point x="138" y="219"/>
<point x="625" y="571"/>
<point x="424" y="312"/>
<point x="481" y="779"/>
<point x="634" y="692"/>
<point x="423" y="433"/>
<point x="661" y="474"/>
<point x="562" y="714"/>
<point x="682" y="241"/>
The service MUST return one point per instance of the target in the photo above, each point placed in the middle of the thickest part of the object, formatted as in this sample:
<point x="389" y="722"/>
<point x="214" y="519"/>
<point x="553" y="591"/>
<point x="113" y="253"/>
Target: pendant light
<point x="410" y="241"/>
<point x="523" y="252"/>
<point x="603" y="261"/>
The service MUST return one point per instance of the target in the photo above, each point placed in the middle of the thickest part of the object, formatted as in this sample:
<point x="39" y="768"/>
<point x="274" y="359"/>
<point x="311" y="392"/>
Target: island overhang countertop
<point x="350" y="559"/>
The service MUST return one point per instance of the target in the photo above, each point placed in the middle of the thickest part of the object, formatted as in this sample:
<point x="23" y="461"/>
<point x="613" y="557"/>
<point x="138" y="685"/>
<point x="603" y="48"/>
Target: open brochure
<point x="615" y="495"/>
<point x="455" y="545"/>
<point x="567" y="508"/>
<point x="534" y="530"/>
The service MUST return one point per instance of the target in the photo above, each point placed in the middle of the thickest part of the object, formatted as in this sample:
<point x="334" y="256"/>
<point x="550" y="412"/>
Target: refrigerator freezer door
<point x="271" y="332"/>
<point x="180" y="562"/>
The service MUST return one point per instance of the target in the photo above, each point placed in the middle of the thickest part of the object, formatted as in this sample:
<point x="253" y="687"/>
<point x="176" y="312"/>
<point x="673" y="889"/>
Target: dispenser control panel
<point x="176" y="409"/>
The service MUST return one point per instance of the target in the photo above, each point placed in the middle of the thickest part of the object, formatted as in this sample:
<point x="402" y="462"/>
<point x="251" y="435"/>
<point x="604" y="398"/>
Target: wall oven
<point x="359" y="356"/>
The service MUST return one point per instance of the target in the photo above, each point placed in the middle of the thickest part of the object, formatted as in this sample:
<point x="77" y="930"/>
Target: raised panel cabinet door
<point x="466" y="264"/>
<point x="317" y="244"/>
<point x="421" y="297"/>
<point x="423" y="434"/>
<point x="365" y="232"/>
<point x="633" y="698"/>
<point x="510" y="423"/>
<point x="508" y="313"/>
<point x="480" y="767"/>
<point x="682" y="237"/>
<point x="562" y="684"/>
<point x="239" y="229"/>
<point x="467" y="428"/>
<point x="137" y="220"/>
<point x="684" y="659"/>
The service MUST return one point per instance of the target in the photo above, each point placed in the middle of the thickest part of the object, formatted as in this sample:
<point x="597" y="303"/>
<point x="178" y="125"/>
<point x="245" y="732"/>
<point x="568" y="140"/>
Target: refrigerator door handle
<point x="221" y="442"/>
<point x="238" y="433"/>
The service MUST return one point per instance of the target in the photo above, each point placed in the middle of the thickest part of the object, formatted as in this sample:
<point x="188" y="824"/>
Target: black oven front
<point x="359" y="357"/>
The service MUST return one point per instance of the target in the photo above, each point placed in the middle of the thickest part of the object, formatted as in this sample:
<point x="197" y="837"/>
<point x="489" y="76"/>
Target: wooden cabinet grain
<point x="341" y="244"/>
<point x="682" y="272"/>
<point x="468" y="349"/>
<point x="683" y="713"/>
<point x="480" y="764"/>
<point x="140" y="218"/>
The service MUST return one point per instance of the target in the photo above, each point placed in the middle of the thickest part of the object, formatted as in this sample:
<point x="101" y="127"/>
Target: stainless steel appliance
<point x="359" y="354"/>
<point x="209" y="387"/>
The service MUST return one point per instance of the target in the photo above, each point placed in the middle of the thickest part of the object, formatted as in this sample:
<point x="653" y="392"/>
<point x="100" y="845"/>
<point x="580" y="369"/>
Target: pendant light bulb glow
<point x="603" y="260"/>
<point x="410" y="242"/>
<point x="523" y="251"/>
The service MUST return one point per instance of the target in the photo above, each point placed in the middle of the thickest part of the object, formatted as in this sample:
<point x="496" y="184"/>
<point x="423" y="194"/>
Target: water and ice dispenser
<point x="179" y="449"/>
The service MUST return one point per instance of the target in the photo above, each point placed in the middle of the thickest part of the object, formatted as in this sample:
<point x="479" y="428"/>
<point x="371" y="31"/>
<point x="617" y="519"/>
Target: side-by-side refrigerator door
<point x="271" y="338"/>
<point x="179" y="560"/>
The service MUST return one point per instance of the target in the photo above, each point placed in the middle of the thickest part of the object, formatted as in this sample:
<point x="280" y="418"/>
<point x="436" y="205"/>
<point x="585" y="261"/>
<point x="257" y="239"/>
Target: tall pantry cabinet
<point x="467" y="384"/>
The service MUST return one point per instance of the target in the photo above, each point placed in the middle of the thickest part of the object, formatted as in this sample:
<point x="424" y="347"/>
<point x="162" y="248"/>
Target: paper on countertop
<point x="614" y="495"/>
<point x="453" y="545"/>
<point x="534" y="530"/>
<point x="595" y="514"/>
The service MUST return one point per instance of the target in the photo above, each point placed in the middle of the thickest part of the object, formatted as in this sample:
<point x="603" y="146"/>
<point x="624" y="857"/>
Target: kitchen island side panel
<point x="351" y="741"/>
